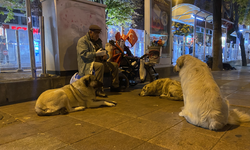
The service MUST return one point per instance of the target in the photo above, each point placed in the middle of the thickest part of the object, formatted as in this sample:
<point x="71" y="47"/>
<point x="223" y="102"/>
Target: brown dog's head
<point x="91" y="81"/>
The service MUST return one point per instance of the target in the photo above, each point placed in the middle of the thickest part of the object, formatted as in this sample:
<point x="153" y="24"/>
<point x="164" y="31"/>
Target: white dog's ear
<point x="180" y="61"/>
<point x="176" y="68"/>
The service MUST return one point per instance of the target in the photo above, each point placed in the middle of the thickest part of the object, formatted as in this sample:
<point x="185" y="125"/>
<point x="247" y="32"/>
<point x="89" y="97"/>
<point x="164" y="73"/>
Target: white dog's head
<point x="181" y="61"/>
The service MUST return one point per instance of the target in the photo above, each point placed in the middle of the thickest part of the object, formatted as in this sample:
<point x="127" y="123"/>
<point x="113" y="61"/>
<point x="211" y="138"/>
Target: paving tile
<point x="227" y="92"/>
<point x="237" y="134"/>
<point x="16" y="131"/>
<point x="51" y="122"/>
<point x="133" y="110"/>
<point x="108" y="140"/>
<point x="6" y="119"/>
<point x="68" y="147"/>
<point x="167" y="117"/>
<point x="39" y="141"/>
<point x="244" y="90"/>
<point x="237" y="83"/>
<point x="19" y="107"/>
<point x="75" y="131"/>
<point x="88" y="113"/>
<point x="238" y="96"/>
<point x="107" y="119"/>
<point x="242" y="93"/>
<point x="239" y="102"/>
<point x="184" y="139"/>
<point x="229" y="146"/>
<point x="141" y="129"/>
<point x="149" y="146"/>
<point x="229" y="87"/>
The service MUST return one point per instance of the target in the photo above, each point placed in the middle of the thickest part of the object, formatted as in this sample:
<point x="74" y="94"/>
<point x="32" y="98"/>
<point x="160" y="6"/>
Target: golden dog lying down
<point x="203" y="103"/>
<point x="165" y="88"/>
<point x="70" y="98"/>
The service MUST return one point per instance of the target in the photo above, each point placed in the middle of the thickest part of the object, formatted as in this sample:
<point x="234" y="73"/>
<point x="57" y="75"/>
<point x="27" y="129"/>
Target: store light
<point x="198" y="18"/>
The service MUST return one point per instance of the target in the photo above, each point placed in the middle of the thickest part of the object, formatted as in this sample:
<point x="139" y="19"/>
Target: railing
<point x="229" y="53"/>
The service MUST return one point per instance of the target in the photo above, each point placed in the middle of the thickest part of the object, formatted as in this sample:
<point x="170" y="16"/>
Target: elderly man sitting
<point x="91" y="56"/>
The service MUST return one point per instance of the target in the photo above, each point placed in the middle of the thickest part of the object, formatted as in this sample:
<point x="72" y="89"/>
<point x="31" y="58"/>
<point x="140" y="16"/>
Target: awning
<point x="185" y="13"/>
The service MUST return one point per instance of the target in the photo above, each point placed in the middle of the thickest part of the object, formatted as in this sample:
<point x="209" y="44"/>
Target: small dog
<point x="73" y="97"/>
<point x="203" y="103"/>
<point x="110" y="49"/>
<point x="165" y="88"/>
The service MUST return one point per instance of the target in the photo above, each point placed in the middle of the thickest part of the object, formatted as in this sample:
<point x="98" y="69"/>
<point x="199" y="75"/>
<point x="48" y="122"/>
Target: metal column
<point x="18" y="53"/>
<point x="204" y="40"/>
<point x="194" y="40"/>
<point x="42" y="46"/>
<point x="31" y="41"/>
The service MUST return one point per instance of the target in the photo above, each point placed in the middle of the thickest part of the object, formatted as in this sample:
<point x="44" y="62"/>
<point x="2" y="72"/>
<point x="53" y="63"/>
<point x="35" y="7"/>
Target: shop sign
<point x="35" y="31"/>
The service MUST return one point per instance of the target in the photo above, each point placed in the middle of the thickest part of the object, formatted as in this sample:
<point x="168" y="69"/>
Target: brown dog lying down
<point x="165" y="88"/>
<point x="73" y="97"/>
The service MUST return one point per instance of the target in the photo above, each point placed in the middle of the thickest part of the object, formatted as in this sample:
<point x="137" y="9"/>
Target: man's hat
<point x="95" y="28"/>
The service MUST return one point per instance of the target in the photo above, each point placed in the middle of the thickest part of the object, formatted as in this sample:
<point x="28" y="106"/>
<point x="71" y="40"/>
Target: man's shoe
<point x="113" y="89"/>
<point x="101" y="93"/>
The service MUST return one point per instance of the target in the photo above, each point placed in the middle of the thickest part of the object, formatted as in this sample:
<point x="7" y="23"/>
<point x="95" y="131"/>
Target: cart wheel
<point x="132" y="83"/>
<point x="123" y="81"/>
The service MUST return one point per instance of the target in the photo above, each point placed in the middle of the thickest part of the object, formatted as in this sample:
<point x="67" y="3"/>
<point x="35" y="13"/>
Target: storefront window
<point x="9" y="54"/>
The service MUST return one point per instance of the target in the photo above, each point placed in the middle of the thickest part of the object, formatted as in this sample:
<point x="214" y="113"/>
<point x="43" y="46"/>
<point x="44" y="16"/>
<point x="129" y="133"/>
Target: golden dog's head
<point x="180" y="62"/>
<point x="146" y="90"/>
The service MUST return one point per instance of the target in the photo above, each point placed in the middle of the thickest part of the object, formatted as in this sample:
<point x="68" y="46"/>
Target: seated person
<point x="91" y="56"/>
<point x="128" y="54"/>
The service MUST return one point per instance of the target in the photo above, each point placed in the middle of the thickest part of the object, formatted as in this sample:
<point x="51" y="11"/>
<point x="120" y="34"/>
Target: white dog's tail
<point x="236" y="117"/>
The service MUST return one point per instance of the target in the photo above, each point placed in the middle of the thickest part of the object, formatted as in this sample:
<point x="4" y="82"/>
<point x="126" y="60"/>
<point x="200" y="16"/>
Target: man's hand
<point x="101" y="52"/>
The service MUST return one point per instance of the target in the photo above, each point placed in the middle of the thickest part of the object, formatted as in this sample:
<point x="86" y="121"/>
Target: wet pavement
<point x="138" y="123"/>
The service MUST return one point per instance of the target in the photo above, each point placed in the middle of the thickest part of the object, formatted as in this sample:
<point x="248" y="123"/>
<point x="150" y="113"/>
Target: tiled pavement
<point x="138" y="123"/>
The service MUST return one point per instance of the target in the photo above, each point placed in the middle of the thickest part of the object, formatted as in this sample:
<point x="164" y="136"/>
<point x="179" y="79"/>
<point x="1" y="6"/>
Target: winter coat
<point x="86" y="54"/>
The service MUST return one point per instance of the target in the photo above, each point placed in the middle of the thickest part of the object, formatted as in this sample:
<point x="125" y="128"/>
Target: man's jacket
<point x="86" y="54"/>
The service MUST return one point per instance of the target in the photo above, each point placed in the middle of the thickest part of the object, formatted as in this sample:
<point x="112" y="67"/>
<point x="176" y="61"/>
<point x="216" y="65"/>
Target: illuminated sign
<point x="35" y="31"/>
<point x="1" y="31"/>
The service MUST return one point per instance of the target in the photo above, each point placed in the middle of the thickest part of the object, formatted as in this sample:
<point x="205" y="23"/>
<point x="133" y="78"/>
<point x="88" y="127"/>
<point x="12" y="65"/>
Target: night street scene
<point x="124" y="75"/>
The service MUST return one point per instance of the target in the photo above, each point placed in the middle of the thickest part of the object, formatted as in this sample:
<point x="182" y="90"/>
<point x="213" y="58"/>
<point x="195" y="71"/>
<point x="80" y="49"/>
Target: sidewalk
<point x="138" y="123"/>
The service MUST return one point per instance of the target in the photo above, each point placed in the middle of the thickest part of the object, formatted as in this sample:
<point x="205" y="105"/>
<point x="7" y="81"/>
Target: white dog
<point x="203" y="103"/>
<point x="70" y="98"/>
<point x="165" y="88"/>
